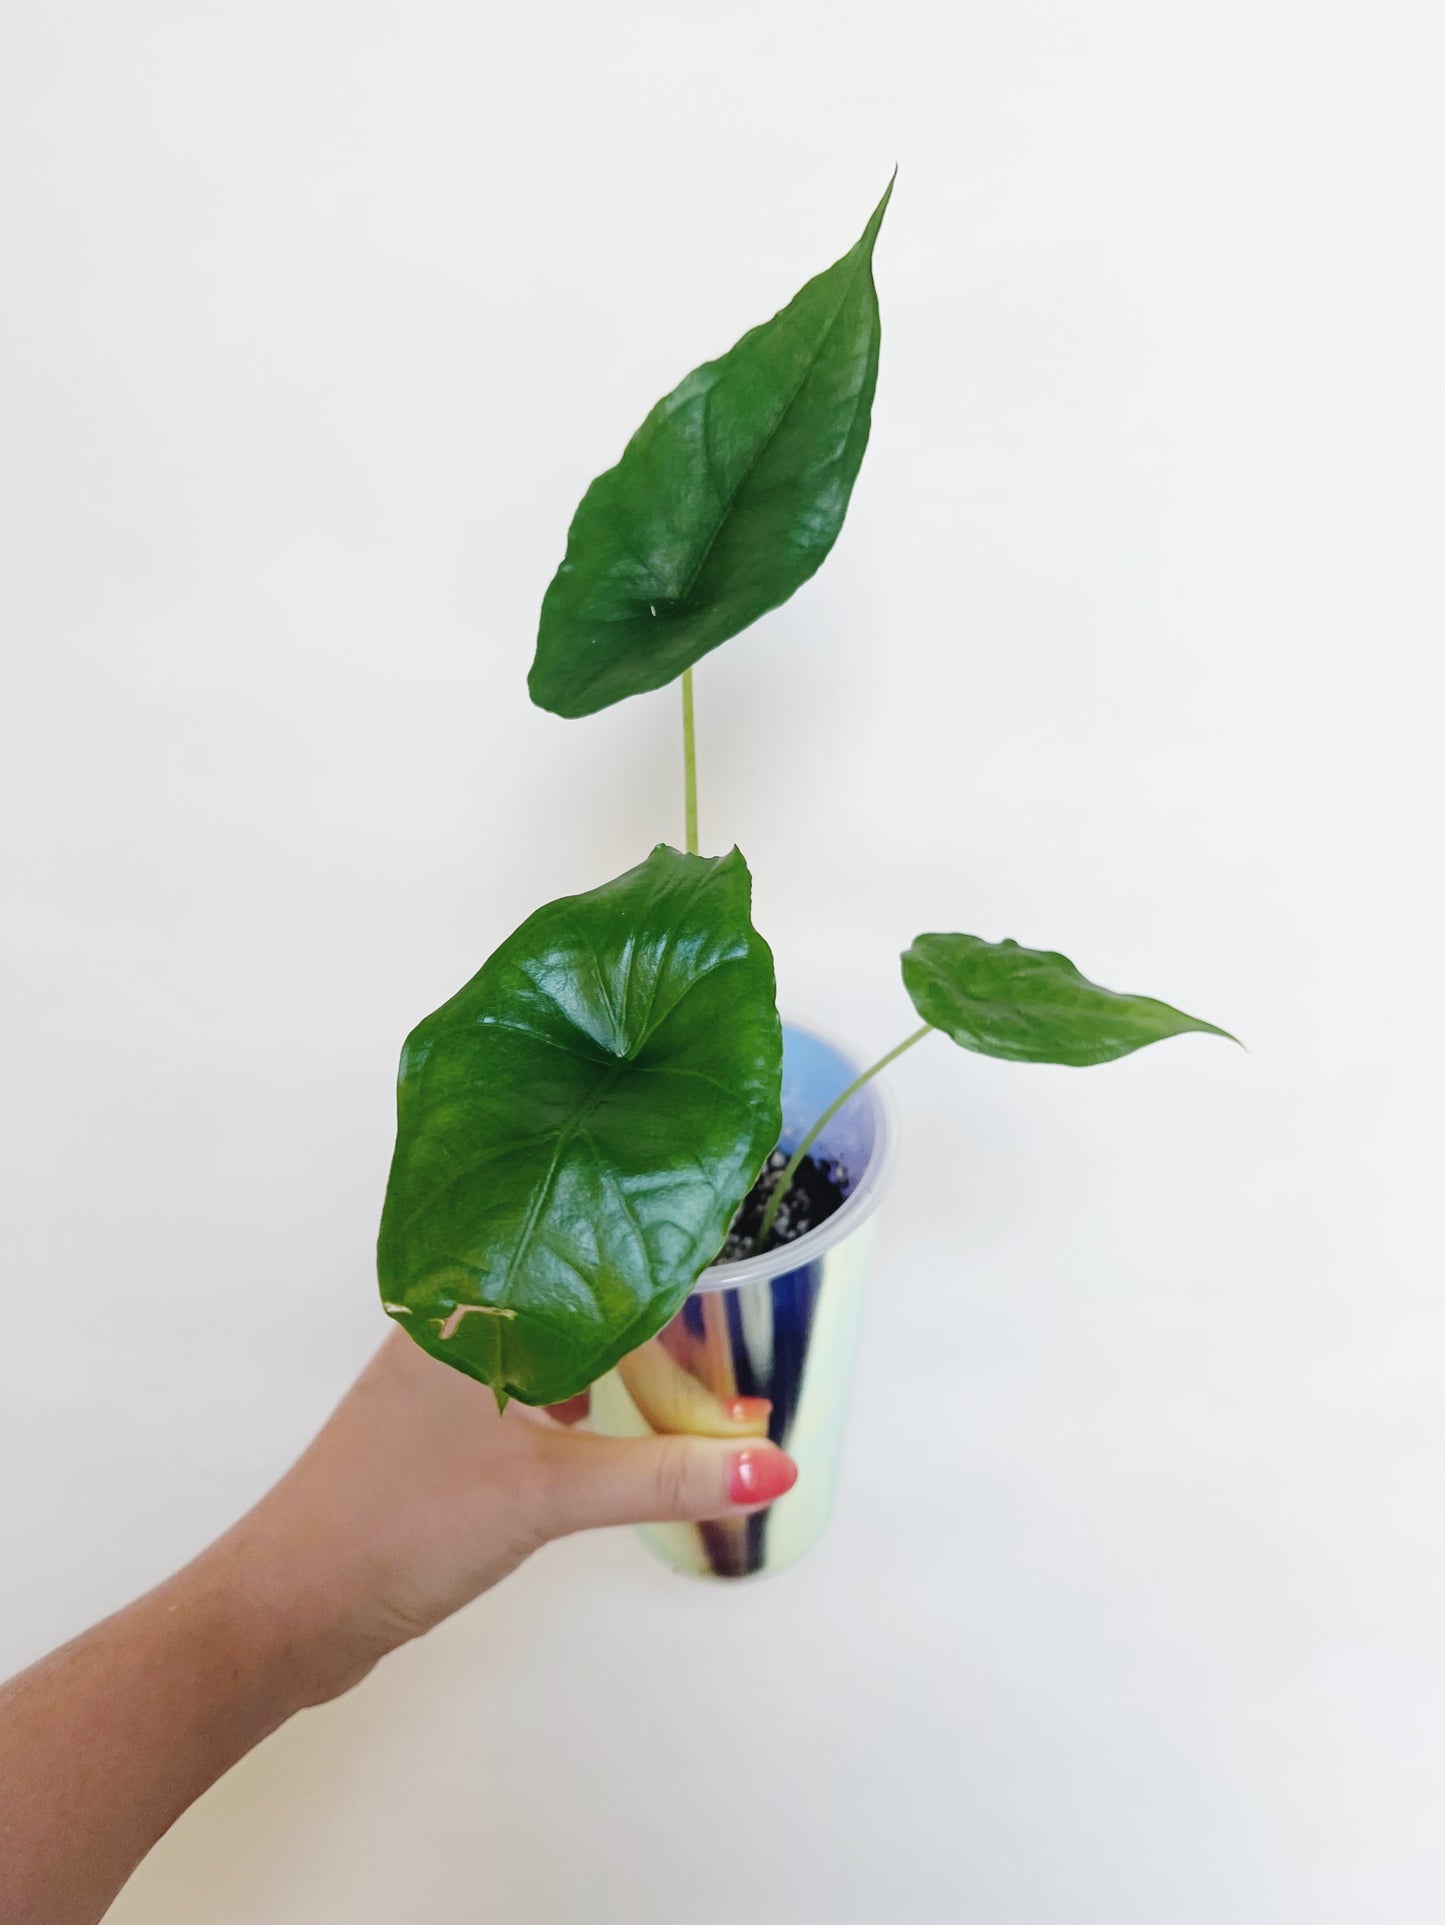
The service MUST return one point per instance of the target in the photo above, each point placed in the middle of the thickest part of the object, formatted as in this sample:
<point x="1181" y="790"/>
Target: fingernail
<point x="759" y="1476"/>
<point x="749" y="1410"/>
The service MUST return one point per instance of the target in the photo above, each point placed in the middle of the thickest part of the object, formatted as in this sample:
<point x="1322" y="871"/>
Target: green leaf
<point x="1031" y="1005"/>
<point x="726" y="500"/>
<point x="577" y="1126"/>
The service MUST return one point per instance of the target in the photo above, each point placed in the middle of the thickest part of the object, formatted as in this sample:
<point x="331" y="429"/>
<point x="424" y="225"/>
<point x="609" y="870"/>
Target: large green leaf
<point x="577" y="1126"/>
<point x="1031" y="1005"/>
<point x="726" y="500"/>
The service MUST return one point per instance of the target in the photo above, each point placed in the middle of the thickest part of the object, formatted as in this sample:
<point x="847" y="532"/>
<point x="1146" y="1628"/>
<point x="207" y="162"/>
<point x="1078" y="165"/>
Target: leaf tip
<point x="875" y="219"/>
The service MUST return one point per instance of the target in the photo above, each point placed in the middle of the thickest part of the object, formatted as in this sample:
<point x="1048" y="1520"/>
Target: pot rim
<point x="860" y="1203"/>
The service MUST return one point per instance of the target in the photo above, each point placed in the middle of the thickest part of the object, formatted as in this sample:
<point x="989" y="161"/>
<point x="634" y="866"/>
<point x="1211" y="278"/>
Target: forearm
<point x="104" y="1743"/>
<point x="415" y="1497"/>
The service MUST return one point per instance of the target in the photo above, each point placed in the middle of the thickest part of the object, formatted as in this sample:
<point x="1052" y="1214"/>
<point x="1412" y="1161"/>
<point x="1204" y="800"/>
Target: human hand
<point x="418" y="1495"/>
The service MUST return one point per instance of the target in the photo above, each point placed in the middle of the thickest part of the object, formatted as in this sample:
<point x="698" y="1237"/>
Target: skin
<point x="415" y="1498"/>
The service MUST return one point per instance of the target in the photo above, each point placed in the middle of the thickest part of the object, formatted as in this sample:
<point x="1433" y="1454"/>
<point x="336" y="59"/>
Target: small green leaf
<point x="726" y="500"/>
<point x="577" y="1126"/>
<point x="1031" y="1005"/>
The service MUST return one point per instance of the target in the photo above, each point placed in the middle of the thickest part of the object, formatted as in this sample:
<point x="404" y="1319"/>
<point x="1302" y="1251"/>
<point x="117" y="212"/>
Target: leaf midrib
<point x="727" y="507"/>
<point x="544" y="1188"/>
<point x="776" y="428"/>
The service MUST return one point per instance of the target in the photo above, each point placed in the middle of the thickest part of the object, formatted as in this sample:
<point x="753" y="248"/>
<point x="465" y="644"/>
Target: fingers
<point x="591" y="1481"/>
<point x="672" y="1400"/>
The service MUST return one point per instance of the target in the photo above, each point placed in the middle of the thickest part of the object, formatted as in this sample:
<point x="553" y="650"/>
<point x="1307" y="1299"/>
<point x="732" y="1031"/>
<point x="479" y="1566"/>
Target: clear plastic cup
<point x="782" y="1326"/>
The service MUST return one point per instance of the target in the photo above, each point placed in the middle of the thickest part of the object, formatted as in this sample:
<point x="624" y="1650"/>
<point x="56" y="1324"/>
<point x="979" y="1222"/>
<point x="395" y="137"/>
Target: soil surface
<point x="814" y="1194"/>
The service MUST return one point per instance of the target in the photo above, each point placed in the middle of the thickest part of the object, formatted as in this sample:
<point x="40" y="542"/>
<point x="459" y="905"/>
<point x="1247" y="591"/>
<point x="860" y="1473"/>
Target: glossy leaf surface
<point x="1031" y="1005"/>
<point x="726" y="500"/>
<point x="577" y="1126"/>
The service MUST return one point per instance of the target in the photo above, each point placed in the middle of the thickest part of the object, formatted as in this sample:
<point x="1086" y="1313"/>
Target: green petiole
<point x="689" y="765"/>
<point x="790" y="1168"/>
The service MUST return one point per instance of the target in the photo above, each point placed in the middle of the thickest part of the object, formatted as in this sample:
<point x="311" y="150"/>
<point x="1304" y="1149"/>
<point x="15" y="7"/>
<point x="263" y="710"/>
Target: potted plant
<point x="614" y="1168"/>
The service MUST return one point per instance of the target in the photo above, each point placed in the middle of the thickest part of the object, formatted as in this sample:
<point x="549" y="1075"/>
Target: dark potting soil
<point x="813" y="1195"/>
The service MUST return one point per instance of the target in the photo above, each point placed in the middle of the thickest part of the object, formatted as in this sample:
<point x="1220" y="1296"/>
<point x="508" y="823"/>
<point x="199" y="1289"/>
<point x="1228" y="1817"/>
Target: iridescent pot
<point x="782" y="1326"/>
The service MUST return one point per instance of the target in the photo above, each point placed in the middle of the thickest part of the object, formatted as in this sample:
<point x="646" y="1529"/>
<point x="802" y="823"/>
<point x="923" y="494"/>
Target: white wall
<point x="318" y="319"/>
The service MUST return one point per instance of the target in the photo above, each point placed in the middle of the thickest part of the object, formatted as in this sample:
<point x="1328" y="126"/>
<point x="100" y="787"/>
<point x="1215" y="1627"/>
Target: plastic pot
<point x="783" y="1326"/>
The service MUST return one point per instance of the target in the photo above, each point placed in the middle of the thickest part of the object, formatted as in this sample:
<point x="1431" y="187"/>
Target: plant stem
<point x="790" y="1168"/>
<point x="689" y="763"/>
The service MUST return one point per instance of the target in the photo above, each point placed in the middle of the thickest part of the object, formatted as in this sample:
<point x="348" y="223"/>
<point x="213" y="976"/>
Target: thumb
<point x="591" y="1481"/>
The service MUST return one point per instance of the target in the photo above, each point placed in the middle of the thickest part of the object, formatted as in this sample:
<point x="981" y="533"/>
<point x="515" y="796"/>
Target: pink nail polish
<point x="759" y="1476"/>
<point x="749" y="1410"/>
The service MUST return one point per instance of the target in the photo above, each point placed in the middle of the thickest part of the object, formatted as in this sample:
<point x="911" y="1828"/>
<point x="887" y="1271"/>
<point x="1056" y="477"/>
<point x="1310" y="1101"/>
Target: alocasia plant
<point x="578" y="1126"/>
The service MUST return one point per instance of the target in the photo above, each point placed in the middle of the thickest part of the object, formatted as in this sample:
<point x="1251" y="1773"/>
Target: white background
<point x="318" y="319"/>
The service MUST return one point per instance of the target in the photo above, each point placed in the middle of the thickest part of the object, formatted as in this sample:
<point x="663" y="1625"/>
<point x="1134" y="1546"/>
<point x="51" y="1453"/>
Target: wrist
<point x="281" y="1627"/>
